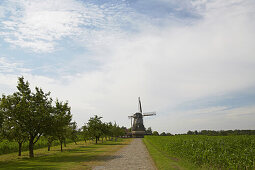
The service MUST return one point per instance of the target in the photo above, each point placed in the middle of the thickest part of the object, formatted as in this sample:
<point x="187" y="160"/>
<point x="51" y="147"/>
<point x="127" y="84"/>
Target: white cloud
<point x="37" y="25"/>
<point x="7" y="66"/>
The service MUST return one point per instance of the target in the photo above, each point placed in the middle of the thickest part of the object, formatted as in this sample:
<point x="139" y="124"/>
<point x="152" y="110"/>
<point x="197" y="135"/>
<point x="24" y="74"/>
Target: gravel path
<point x="132" y="157"/>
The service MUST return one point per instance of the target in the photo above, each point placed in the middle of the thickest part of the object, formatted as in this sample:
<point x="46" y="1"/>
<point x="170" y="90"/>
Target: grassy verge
<point x="164" y="161"/>
<point x="80" y="156"/>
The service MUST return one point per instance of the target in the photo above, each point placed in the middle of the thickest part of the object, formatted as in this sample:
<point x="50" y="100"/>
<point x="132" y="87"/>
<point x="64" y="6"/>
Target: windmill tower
<point x="137" y="127"/>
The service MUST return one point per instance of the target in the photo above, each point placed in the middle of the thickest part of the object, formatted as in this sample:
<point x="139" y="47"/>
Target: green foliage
<point x="73" y="132"/>
<point x="148" y="131"/>
<point x="116" y="130"/>
<point x="85" y="133"/>
<point x="28" y="115"/>
<point x="220" y="152"/>
<point x="95" y="127"/>
<point x="155" y="133"/>
<point x="222" y="132"/>
<point x="61" y="118"/>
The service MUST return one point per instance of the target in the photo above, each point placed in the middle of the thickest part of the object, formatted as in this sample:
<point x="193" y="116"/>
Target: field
<point x="80" y="156"/>
<point x="216" y="152"/>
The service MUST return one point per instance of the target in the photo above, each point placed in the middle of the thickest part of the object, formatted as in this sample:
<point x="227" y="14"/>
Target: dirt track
<point x="132" y="157"/>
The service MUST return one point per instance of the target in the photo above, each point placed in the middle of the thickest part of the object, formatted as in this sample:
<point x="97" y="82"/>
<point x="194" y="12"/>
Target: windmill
<point x="137" y="127"/>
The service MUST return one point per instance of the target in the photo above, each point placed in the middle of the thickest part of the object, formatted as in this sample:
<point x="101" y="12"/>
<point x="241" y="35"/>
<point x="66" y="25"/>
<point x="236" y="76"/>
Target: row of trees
<point x="222" y="132"/>
<point x="96" y="129"/>
<point x="27" y="115"/>
<point x="155" y="133"/>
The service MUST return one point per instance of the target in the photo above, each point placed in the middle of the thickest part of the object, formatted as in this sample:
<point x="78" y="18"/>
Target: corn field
<point x="220" y="152"/>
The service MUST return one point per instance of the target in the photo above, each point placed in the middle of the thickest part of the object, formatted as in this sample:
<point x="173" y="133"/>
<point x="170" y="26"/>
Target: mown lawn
<point x="80" y="156"/>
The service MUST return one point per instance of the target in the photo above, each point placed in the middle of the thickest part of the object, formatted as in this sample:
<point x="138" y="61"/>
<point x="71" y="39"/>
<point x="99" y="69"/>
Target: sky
<point x="191" y="61"/>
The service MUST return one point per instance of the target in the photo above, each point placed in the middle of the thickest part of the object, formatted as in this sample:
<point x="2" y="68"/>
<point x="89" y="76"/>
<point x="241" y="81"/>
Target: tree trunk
<point x="64" y="142"/>
<point x="102" y="139"/>
<point x="61" y="143"/>
<point x="48" y="147"/>
<point x="31" y="148"/>
<point x="20" y="145"/>
<point x="50" y="140"/>
<point x="96" y="139"/>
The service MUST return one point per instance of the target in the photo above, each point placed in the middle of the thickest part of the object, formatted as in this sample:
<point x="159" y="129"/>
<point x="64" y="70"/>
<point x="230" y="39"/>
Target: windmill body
<point x="137" y="127"/>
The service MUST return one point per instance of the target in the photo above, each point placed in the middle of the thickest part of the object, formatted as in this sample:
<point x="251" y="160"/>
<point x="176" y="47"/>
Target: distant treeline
<point x="222" y="132"/>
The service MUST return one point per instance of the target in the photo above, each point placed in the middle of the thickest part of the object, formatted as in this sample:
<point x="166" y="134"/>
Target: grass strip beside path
<point x="80" y="156"/>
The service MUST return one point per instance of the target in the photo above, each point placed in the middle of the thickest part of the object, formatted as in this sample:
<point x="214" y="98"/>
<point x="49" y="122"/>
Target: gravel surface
<point x="131" y="157"/>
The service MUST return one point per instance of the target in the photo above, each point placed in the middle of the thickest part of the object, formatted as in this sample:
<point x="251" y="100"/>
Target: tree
<point x="163" y="134"/>
<point x="190" y="133"/>
<point x="73" y="132"/>
<point x="85" y="133"/>
<point x="116" y="131"/>
<point x="149" y="131"/>
<point x="62" y="118"/>
<point x="95" y="127"/>
<point x="155" y="133"/>
<point x="105" y="131"/>
<point x="28" y="112"/>
<point x="50" y="134"/>
<point x="39" y="117"/>
<point x="168" y="134"/>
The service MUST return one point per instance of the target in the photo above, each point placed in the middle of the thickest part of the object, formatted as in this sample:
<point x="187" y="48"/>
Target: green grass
<point x="214" y="152"/>
<point x="80" y="156"/>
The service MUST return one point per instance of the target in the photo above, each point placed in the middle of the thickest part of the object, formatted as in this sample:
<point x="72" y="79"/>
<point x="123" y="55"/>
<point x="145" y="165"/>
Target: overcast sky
<point x="191" y="61"/>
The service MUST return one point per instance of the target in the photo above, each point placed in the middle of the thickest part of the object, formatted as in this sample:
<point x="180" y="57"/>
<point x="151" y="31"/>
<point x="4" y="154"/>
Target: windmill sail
<point x="139" y="105"/>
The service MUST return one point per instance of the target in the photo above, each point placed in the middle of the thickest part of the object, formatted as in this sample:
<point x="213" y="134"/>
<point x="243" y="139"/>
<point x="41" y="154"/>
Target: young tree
<point x="168" y="134"/>
<point x="62" y="118"/>
<point x="95" y="126"/>
<point x="85" y="133"/>
<point x="50" y="134"/>
<point x="149" y="131"/>
<point x="163" y="134"/>
<point x="155" y="133"/>
<point x="117" y="131"/>
<point x="73" y="132"/>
